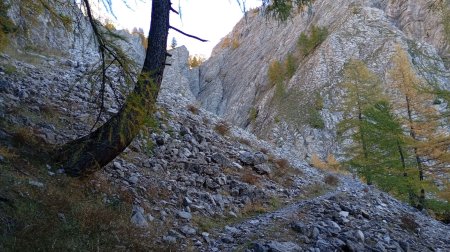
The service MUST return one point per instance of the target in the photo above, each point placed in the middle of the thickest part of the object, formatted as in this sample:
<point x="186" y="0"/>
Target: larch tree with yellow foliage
<point x="418" y="116"/>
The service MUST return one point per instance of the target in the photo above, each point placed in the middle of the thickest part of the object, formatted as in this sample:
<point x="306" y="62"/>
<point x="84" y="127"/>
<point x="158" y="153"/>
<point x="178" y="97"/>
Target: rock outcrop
<point x="234" y="82"/>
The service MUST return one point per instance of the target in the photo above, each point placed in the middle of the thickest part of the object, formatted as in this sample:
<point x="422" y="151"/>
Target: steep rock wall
<point x="234" y="83"/>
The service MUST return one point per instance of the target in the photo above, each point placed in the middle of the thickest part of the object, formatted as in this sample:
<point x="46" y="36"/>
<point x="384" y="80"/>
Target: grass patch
<point x="250" y="178"/>
<point x="330" y="164"/>
<point x="193" y="108"/>
<point x="308" y="43"/>
<point x="283" y="173"/>
<point x="222" y="128"/>
<point x="331" y="180"/>
<point x="253" y="113"/>
<point x="66" y="214"/>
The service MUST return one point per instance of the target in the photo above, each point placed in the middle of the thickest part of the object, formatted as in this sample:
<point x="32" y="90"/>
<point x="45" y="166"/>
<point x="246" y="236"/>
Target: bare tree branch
<point x="188" y="35"/>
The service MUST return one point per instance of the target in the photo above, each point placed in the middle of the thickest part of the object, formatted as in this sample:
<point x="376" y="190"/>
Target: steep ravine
<point x="234" y="83"/>
<point x="191" y="181"/>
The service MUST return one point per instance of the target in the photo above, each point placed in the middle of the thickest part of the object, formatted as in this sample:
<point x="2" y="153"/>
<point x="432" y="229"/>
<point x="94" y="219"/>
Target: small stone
<point x="275" y="246"/>
<point x="404" y="245"/>
<point x="139" y="220"/>
<point x="246" y="158"/>
<point x="36" y="183"/>
<point x="300" y="228"/>
<point x="160" y="140"/>
<point x="231" y="230"/>
<point x="365" y="214"/>
<point x="343" y="214"/>
<point x="185" y="215"/>
<point x="315" y="233"/>
<point x="62" y="217"/>
<point x="150" y="218"/>
<point x="170" y="239"/>
<point x="117" y="165"/>
<point x="335" y="227"/>
<point x="221" y="159"/>
<point x="260" y="158"/>
<point x="134" y="179"/>
<point x="232" y="214"/>
<point x="262" y="169"/>
<point x="360" y="235"/>
<point x="188" y="231"/>
<point x="258" y="247"/>
<point x="187" y="201"/>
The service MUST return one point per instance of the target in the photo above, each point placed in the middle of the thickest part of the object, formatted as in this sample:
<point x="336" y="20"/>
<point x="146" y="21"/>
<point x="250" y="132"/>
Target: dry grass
<point x="193" y="108"/>
<point x="7" y="153"/>
<point x="331" y="180"/>
<point x="314" y="190"/>
<point x="250" y="178"/>
<point x="67" y="213"/>
<point x="330" y="164"/>
<point x="408" y="223"/>
<point x="282" y="164"/>
<point x="283" y="172"/>
<point x="230" y="42"/>
<point x="158" y="192"/>
<point x="253" y="209"/>
<point x="264" y="150"/>
<point x="244" y="141"/>
<point x="222" y="128"/>
<point x="318" y="163"/>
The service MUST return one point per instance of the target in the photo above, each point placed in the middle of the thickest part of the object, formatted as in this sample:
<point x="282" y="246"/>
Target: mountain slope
<point x="234" y="81"/>
<point x="189" y="182"/>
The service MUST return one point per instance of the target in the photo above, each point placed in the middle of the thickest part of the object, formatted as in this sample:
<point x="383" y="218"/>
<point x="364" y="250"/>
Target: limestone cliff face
<point x="42" y="33"/>
<point x="234" y="83"/>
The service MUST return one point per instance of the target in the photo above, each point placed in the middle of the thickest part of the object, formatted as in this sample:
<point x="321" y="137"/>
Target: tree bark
<point x="92" y="152"/>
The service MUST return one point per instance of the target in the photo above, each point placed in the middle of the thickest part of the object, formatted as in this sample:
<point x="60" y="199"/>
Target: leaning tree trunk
<point x="91" y="152"/>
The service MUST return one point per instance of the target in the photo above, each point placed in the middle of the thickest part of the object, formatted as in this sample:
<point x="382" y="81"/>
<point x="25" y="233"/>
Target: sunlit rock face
<point x="234" y="81"/>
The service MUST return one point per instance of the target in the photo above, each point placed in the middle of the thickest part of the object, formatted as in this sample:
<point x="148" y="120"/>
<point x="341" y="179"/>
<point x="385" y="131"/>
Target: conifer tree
<point x="362" y="91"/>
<point x="389" y="160"/>
<point x="417" y="114"/>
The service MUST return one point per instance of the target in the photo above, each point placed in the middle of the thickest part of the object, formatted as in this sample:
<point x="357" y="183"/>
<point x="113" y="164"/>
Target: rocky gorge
<point x="193" y="180"/>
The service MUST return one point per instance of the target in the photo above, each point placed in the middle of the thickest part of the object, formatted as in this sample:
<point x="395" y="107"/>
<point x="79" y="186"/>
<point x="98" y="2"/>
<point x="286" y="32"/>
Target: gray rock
<point x="185" y="215"/>
<point x="138" y="218"/>
<point x="134" y="179"/>
<point x="247" y="158"/>
<point x="258" y="247"/>
<point x="405" y="246"/>
<point x="283" y="246"/>
<point x="352" y="246"/>
<point x="263" y="169"/>
<point x="36" y="183"/>
<point x="170" y="239"/>
<point x="300" y="227"/>
<point x="187" y="201"/>
<point x="315" y="233"/>
<point x="221" y="159"/>
<point x="188" y="230"/>
<point x="260" y="158"/>
<point x="359" y="235"/>
<point x="343" y="214"/>
<point x="6" y="87"/>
